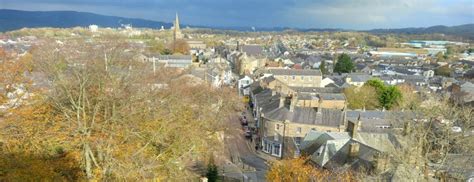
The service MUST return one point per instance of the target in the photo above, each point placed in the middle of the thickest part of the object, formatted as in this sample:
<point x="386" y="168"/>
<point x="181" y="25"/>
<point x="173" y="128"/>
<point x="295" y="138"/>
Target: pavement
<point x="244" y="164"/>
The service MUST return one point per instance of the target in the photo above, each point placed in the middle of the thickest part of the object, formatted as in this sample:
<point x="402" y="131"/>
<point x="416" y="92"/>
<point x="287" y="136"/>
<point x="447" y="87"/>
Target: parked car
<point x="247" y="132"/>
<point x="243" y="121"/>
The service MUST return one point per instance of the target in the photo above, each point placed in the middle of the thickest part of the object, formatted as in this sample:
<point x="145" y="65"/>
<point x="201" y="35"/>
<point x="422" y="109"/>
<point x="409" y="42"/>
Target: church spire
<point x="177" y="31"/>
<point x="176" y="23"/>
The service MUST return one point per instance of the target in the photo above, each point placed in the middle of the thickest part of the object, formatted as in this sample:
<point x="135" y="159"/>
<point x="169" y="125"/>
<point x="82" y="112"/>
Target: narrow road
<point x="252" y="167"/>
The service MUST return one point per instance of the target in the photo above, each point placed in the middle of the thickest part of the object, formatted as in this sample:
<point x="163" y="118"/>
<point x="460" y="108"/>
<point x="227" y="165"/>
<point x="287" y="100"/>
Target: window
<point x="286" y="77"/>
<point x="277" y="127"/>
<point x="298" y="141"/>
<point x="298" y="130"/>
<point x="302" y="77"/>
<point x="293" y="77"/>
<point x="276" y="150"/>
<point x="314" y="129"/>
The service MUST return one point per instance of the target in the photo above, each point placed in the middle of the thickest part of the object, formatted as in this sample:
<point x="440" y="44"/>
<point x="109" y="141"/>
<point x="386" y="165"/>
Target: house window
<point x="298" y="141"/>
<point x="314" y="129"/>
<point x="277" y="127"/>
<point x="286" y="77"/>
<point x="293" y="77"/>
<point x="276" y="150"/>
<point x="298" y="130"/>
<point x="302" y="77"/>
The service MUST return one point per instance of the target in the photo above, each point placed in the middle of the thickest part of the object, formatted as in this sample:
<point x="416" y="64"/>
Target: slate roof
<point x="173" y="57"/>
<point x="338" y="80"/>
<point x="331" y="149"/>
<point x="252" y="50"/>
<point x="359" y="77"/>
<point x="266" y="101"/>
<point x="305" y="115"/>
<point x="295" y="72"/>
<point x="384" y="142"/>
<point x="332" y="96"/>
<point x="414" y="78"/>
<point x="372" y="120"/>
<point x="340" y="158"/>
<point x="316" y="89"/>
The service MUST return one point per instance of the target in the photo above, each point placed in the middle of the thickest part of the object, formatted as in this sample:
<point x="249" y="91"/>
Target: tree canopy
<point x="388" y="96"/>
<point x="344" y="64"/>
<point x="108" y="120"/>
<point x="299" y="171"/>
<point x="364" y="97"/>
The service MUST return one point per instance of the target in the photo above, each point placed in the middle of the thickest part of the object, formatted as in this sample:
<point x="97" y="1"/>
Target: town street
<point x="242" y="153"/>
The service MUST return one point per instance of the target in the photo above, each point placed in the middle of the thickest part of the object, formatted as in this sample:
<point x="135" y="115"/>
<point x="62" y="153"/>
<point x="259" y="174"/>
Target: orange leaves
<point x="299" y="170"/>
<point x="179" y="47"/>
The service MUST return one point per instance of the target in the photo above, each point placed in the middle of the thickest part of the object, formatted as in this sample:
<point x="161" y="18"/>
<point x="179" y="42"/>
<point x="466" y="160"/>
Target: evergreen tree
<point x="323" y="68"/>
<point x="344" y="64"/>
<point x="390" y="97"/>
<point x="212" y="172"/>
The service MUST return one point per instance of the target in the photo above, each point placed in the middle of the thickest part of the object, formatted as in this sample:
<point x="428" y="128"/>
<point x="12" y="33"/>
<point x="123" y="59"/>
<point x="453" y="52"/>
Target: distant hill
<point x="15" y="19"/>
<point x="466" y="30"/>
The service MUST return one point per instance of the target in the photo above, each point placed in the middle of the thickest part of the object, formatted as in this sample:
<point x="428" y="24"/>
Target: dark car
<point x="247" y="132"/>
<point x="243" y="121"/>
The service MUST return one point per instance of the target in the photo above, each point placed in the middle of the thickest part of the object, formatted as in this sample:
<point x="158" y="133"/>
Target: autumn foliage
<point x="179" y="47"/>
<point x="298" y="170"/>
<point x="103" y="117"/>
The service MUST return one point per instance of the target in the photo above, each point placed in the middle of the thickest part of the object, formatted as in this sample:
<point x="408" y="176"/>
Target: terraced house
<point x="285" y="119"/>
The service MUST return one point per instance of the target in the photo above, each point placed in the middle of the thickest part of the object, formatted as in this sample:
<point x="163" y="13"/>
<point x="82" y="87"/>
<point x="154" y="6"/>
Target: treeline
<point x="101" y="116"/>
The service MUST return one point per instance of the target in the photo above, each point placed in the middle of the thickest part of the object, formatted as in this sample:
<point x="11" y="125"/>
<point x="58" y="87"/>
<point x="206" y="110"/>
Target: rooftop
<point x="295" y="72"/>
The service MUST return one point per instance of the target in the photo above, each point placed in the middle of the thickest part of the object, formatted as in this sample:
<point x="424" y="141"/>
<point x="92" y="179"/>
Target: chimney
<point x="353" y="150"/>
<point x="344" y="123"/>
<point x="294" y="100"/>
<point x="354" y="127"/>
<point x="282" y="101"/>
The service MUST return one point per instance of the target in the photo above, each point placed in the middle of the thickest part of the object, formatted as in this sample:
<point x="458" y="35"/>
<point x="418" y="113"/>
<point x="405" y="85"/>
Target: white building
<point x="428" y="74"/>
<point x="244" y="86"/>
<point x="93" y="28"/>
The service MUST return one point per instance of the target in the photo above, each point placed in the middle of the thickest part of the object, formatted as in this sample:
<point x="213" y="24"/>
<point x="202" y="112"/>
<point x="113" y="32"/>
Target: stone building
<point x="284" y="120"/>
<point x="297" y="77"/>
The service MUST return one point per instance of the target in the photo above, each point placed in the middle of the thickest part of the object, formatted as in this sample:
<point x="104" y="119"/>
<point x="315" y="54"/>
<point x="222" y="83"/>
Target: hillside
<point x="15" y="19"/>
<point x="466" y="30"/>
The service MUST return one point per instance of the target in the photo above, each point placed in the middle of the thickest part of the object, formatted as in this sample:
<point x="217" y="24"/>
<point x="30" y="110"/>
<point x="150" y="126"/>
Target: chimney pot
<point x="282" y="102"/>
<point x="353" y="150"/>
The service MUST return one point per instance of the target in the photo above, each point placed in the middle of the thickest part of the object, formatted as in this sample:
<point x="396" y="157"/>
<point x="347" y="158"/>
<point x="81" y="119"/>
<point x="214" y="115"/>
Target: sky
<point x="346" y="14"/>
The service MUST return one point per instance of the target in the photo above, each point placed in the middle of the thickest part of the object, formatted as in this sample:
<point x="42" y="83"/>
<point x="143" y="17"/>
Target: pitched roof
<point x="305" y="115"/>
<point x="316" y="89"/>
<point x="295" y="72"/>
<point x="252" y="50"/>
<point x="332" y="96"/>
<point x="359" y="77"/>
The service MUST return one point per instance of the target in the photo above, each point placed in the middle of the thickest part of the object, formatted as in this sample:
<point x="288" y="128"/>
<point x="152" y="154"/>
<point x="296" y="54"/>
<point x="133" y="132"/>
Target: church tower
<point x="177" y="31"/>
